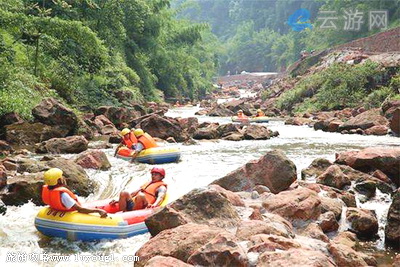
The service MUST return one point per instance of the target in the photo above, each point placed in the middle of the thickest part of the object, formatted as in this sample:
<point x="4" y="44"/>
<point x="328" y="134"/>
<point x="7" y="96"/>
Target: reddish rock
<point x="205" y="206"/>
<point x="346" y="238"/>
<point x="93" y="159"/>
<point x="363" y="222"/>
<point x="225" y="130"/>
<point x="327" y="221"/>
<point x="31" y="133"/>
<point x="256" y="132"/>
<point x="208" y="132"/>
<point x="381" y="176"/>
<point x="273" y="170"/>
<point x="396" y="261"/>
<point x="316" y="168"/>
<point x="365" y="120"/>
<point x="22" y="189"/>
<point x="301" y="203"/>
<point x="377" y="130"/>
<point x="10" y="118"/>
<point x="161" y="261"/>
<point x="334" y="125"/>
<point x="256" y="215"/>
<point x="333" y="176"/>
<point x="180" y="242"/>
<point x="3" y="176"/>
<point x="294" y="257"/>
<point x="313" y="230"/>
<point x="223" y="250"/>
<point x="297" y="121"/>
<point x="246" y="229"/>
<point x="385" y="159"/>
<point x="346" y="256"/>
<point x="388" y="108"/>
<point x="162" y="127"/>
<point x="5" y="148"/>
<point x="190" y="124"/>
<point x="392" y="229"/>
<point x="71" y="144"/>
<point x="220" y="111"/>
<point x="395" y="122"/>
<point x="118" y="115"/>
<point x="262" y="242"/>
<point x="331" y="205"/>
<point x="231" y="196"/>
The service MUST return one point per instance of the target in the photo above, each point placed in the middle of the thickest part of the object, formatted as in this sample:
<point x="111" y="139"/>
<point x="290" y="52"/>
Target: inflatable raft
<point x="73" y="225"/>
<point x="250" y="119"/>
<point x="155" y="155"/>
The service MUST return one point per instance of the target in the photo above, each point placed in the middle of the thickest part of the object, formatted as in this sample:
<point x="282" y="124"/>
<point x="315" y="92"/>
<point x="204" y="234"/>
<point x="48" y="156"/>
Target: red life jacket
<point x="130" y="140"/>
<point x="147" y="141"/>
<point x="150" y="190"/>
<point x="53" y="197"/>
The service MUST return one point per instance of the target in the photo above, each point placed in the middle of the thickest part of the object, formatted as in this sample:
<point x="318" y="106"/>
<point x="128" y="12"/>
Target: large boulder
<point x="158" y="261"/>
<point x="249" y="228"/>
<point x="118" y="115"/>
<point x="228" y="129"/>
<point x="256" y="132"/>
<point x="365" y="120"/>
<point x="180" y="242"/>
<point x="3" y="176"/>
<point x="71" y="144"/>
<point x="262" y="242"/>
<point x="327" y="221"/>
<point x="5" y="148"/>
<point x="377" y="130"/>
<point x="295" y="257"/>
<point x="204" y="206"/>
<point x="333" y="176"/>
<point x="22" y="188"/>
<point x="7" y="119"/>
<point x="236" y="105"/>
<point x="93" y="159"/>
<point x="51" y="112"/>
<point x="220" y="111"/>
<point x="31" y="133"/>
<point x="208" y="132"/>
<point x="162" y="127"/>
<point x="316" y="168"/>
<point x="190" y="124"/>
<point x="395" y="122"/>
<point x="346" y="256"/>
<point x="389" y="107"/>
<point x="223" y="250"/>
<point x="298" y="204"/>
<point x="273" y="170"/>
<point x="374" y="158"/>
<point x="363" y="222"/>
<point x="392" y="230"/>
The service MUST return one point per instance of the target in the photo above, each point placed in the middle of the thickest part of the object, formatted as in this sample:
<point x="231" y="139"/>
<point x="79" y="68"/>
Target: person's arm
<point x="161" y="193"/>
<point x="134" y="193"/>
<point x="81" y="209"/>
<point x="139" y="147"/>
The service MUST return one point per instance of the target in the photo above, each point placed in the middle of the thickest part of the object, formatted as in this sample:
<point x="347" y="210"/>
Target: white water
<point x="200" y="165"/>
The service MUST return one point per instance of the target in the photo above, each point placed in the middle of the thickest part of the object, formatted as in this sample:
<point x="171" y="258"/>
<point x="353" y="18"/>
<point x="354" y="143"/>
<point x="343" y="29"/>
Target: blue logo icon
<point x="298" y="20"/>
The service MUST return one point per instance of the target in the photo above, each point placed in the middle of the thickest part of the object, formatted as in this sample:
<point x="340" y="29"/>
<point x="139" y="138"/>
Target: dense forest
<point x="86" y="52"/>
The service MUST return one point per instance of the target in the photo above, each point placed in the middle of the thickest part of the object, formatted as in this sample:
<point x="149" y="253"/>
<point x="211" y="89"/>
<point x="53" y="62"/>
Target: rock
<point x="223" y="250"/>
<point x="180" y="242"/>
<point x="160" y="127"/>
<point x="229" y="129"/>
<point x="51" y="112"/>
<point x="294" y="257"/>
<point x="331" y="205"/>
<point x="25" y="164"/>
<point x="190" y="142"/>
<point x="377" y="130"/>
<point x="161" y="261"/>
<point x="298" y="204"/>
<point x="3" y="176"/>
<point x="313" y="230"/>
<point x="10" y="118"/>
<point x="256" y="215"/>
<point x="118" y="115"/>
<point x="367" y="188"/>
<point x="201" y="112"/>
<point x="31" y="133"/>
<point x="209" y="132"/>
<point x="389" y="107"/>
<point x="369" y="159"/>
<point x="190" y="124"/>
<point x="171" y="140"/>
<point x="22" y="188"/>
<point x="102" y="125"/>
<point x="248" y="228"/>
<point x="75" y="175"/>
<point x="316" y="168"/>
<point x="256" y="132"/>
<point x="381" y="176"/>
<point x="333" y="176"/>
<point x="204" y="206"/>
<point x="346" y="256"/>
<point x="395" y="122"/>
<point x="3" y="208"/>
<point x="5" y="148"/>
<point x="392" y="229"/>
<point x="220" y="111"/>
<point x="333" y="126"/>
<point x="363" y="222"/>
<point x="346" y="238"/>
<point x="71" y="144"/>
<point x="234" y="137"/>
<point x="365" y="120"/>
<point x="321" y="125"/>
<point x="233" y="198"/>
<point x="261" y="189"/>
<point x="262" y="242"/>
<point x="328" y="223"/>
<point x="93" y="159"/>
<point x="396" y="261"/>
<point x="236" y="105"/>
<point x="297" y="121"/>
<point x="273" y="170"/>
<point x="83" y="129"/>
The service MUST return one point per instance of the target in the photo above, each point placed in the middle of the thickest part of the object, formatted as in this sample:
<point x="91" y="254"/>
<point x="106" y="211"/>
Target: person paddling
<point x="260" y="113"/>
<point x="59" y="197"/>
<point x="128" y="139"/>
<point x="145" y="141"/>
<point x="241" y="115"/>
<point x="149" y="195"/>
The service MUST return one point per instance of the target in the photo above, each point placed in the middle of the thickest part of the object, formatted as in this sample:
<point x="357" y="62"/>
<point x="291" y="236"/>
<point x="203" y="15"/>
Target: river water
<point x="201" y="164"/>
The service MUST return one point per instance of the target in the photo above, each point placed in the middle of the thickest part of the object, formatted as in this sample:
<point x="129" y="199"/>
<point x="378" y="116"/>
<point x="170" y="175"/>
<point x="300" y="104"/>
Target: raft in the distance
<point x="73" y="225"/>
<point x="155" y="155"/>
<point x="251" y="119"/>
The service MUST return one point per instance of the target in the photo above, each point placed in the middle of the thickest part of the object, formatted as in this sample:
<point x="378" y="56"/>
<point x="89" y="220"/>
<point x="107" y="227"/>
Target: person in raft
<point x="150" y="195"/>
<point x="241" y="115"/>
<point x="56" y="194"/>
<point x="260" y="113"/>
<point x="145" y="141"/>
<point x="128" y="139"/>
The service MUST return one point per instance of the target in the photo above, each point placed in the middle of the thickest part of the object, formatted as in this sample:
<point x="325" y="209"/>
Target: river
<point x="201" y="164"/>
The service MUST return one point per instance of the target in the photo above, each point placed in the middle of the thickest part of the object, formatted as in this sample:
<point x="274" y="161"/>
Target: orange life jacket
<point x="242" y="116"/>
<point x="130" y="141"/>
<point x="150" y="190"/>
<point x="53" y="197"/>
<point x="260" y="114"/>
<point x="147" y="141"/>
